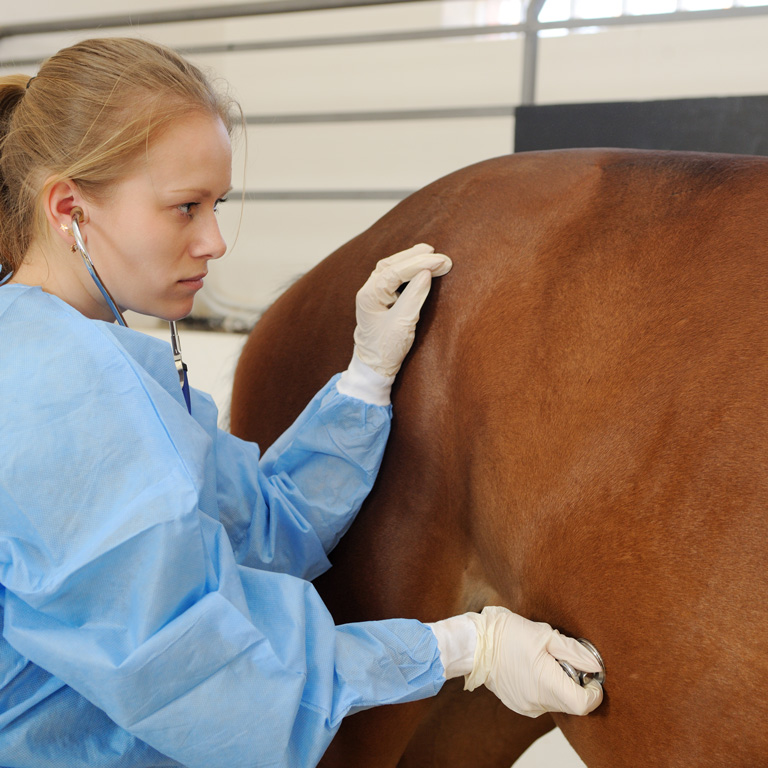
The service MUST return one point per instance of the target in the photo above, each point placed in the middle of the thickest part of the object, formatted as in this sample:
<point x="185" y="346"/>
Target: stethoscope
<point x="181" y="366"/>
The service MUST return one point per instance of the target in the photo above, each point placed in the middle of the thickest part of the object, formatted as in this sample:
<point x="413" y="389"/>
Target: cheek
<point x="155" y="249"/>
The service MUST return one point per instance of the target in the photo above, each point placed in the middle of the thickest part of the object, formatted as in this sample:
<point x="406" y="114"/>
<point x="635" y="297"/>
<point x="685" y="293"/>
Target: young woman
<point x="154" y="570"/>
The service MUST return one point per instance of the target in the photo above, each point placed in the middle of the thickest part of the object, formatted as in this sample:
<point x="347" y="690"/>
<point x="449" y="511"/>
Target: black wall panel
<point x="737" y="124"/>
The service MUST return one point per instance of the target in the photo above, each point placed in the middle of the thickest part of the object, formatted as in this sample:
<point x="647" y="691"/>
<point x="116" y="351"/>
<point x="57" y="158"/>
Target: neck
<point x="66" y="278"/>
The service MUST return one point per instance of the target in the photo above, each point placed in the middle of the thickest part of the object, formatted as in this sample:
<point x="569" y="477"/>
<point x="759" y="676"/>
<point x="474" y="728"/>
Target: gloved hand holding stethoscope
<point x="520" y="661"/>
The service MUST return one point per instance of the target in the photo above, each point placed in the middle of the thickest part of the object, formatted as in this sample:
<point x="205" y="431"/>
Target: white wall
<point x="280" y="240"/>
<point x="659" y="61"/>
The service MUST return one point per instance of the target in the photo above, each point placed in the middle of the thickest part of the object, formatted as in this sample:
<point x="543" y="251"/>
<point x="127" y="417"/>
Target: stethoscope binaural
<point x="181" y="366"/>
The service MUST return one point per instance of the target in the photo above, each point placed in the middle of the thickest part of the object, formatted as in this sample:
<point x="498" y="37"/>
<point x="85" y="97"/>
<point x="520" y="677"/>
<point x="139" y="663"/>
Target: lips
<point x="195" y="279"/>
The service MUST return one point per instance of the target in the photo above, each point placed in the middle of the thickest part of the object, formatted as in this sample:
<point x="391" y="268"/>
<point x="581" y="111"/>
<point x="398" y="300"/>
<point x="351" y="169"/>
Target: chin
<point x="173" y="316"/>
<point x="171" y="311"/>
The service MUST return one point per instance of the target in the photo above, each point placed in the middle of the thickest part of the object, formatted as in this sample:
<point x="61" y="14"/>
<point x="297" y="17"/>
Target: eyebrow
<point x="198" y="192"/>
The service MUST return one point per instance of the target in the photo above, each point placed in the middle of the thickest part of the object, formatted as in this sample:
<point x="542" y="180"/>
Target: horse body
<point x="580" y="435"/>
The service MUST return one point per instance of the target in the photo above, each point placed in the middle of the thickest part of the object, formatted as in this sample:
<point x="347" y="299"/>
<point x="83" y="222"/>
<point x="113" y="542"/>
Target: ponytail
<point x="12" y="91"/>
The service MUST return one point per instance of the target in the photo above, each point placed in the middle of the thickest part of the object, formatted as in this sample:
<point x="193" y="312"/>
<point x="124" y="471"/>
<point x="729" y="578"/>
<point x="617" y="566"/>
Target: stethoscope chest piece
<point x="582" y="678"/>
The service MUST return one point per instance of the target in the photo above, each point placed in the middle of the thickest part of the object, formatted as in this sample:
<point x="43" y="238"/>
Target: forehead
<point x="193" y="152"/>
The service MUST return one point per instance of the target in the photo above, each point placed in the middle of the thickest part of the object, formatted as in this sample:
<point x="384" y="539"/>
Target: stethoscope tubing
<point x="80" y="243"/>
<point x="181" y="366"/>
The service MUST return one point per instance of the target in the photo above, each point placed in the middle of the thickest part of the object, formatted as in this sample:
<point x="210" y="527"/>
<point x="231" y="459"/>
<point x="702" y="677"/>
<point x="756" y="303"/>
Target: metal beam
<point x="657" y="18"/>
<point x="530" y="27"/>
<point x="204" y="13"/>
<point x="361" y="39"/>
<point x="357" y="195"/>
<point x="443" y="113"/>
<point x="530" y="51"/>
<point x="318" y="42"/>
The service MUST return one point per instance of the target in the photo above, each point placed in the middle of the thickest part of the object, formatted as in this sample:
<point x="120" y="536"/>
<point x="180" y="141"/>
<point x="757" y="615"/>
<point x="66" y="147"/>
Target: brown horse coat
<point x="580" y="434"/>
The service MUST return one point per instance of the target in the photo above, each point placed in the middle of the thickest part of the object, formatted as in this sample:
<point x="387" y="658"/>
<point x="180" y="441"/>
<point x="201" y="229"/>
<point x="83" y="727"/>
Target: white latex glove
<point x="517" y="659"/>
<point x="386" y="323"/>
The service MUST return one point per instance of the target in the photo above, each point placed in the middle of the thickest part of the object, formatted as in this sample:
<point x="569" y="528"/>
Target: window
<point x="468" y="13"/>
<point x="594" y="9"/>
<point x="461" y="13"/>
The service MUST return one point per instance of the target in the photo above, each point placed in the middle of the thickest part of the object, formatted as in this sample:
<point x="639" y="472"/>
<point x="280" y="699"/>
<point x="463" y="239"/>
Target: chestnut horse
<point x="580" y="434"/>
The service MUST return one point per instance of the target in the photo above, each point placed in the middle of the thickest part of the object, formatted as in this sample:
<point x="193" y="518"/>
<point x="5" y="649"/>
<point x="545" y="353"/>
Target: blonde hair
<point x="87" y="115"/>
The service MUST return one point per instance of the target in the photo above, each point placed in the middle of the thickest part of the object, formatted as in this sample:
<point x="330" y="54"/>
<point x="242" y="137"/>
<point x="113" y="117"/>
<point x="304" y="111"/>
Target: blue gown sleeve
<point x="119" y="581"/>
<point x="287" y="511"/>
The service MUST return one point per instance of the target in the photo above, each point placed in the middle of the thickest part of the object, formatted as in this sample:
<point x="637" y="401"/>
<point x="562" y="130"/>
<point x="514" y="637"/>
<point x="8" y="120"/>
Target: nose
<point x="210" y="242"/>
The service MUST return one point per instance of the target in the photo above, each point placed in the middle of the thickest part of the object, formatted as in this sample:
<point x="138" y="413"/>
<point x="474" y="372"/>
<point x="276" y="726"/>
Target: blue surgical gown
<point x="155" y="596"/>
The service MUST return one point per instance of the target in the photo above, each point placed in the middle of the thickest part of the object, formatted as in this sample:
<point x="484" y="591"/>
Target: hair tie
<point x="29" y="82"/>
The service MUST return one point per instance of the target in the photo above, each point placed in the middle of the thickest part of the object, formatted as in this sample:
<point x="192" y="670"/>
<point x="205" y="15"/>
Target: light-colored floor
<point x="550" y="751"/>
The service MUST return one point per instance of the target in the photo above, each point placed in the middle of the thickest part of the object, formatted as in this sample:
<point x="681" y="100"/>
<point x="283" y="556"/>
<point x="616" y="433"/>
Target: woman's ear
<point x="59" y="199"/>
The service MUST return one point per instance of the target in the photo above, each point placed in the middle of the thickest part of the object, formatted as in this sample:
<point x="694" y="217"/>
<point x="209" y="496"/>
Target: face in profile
<point x="153" y="236"/>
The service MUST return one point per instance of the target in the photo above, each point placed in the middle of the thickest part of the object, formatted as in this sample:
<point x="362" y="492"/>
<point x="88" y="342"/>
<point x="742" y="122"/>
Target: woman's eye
<point x="187" y="208"/>
<point x="218" y="203"/>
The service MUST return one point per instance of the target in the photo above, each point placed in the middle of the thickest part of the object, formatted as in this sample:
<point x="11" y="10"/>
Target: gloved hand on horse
<point x="386" y="322"/>
<point x="517" y="659"/>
